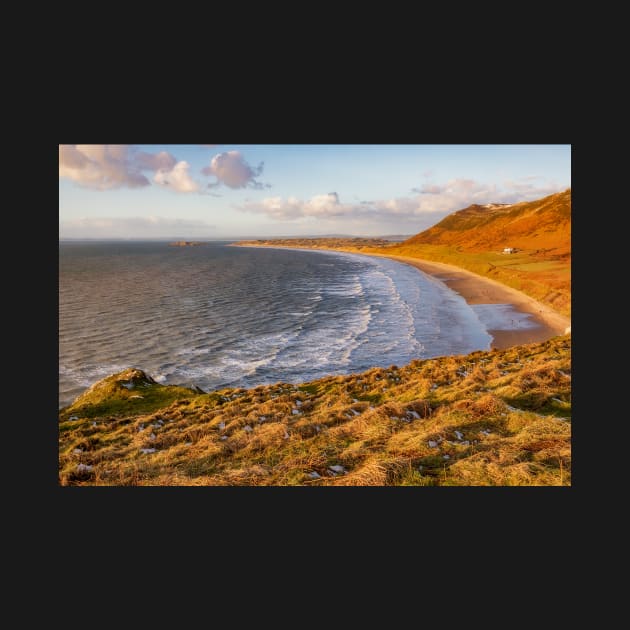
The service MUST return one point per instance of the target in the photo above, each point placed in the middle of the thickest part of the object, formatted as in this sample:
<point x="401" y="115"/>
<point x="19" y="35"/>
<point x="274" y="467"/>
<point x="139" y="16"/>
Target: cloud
<point x="107" y="166"/>
<point x="154" y="162"/>
<point x="428" y="189"/>
<point x="100" y="166"/>
<point x="231" y="169"/>
<point x="177" y="178"/>
<point x="132" y="227"/>
<point x="329" y="206"/>
<point x="293" y="208"/>
<point x="429" y="199"/>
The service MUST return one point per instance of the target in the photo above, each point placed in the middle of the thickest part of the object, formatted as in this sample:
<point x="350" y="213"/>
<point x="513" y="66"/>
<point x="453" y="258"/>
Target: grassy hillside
<point x="488" y="418"/>
<point x="544" y="224"/>
<point x="474" y="239"/>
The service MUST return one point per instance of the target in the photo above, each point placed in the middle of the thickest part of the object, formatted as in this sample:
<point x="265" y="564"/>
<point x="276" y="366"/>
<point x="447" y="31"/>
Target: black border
<point x="434" y="515"/>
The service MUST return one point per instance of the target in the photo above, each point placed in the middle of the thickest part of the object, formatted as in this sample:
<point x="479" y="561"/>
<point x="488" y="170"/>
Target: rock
<point x="459" y="435"/>
<point x="221" y="425"/>
<point x="147" y="451"/>
<point x="136" y="396"/>
<point x="295" y="412"/>
<point x="141" y="428"/>
<point x="83" y="468"/>
<point x="152" y="436"/>
<point x="223" y="438"/>
<point x="77" y="451"/>
<point x="286" y="435"/>
<point x="337" y="469"/>
<point x="413" y="414"/>
<point x="247" y="428"/>
<point x="314" y="475"/>
<point x="73" y="418"/>
<point x="262" y="419"/>
<point x="93" y="424"/>
<point x="432" y="444"/>
<point x="446" y="457"/>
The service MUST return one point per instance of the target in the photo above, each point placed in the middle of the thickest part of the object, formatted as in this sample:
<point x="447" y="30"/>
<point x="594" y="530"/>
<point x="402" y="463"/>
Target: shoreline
<point x="476" y="289"/>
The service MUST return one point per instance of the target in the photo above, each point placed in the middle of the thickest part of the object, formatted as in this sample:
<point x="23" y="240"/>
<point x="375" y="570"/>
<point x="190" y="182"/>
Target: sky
<point x="237" y="191"/>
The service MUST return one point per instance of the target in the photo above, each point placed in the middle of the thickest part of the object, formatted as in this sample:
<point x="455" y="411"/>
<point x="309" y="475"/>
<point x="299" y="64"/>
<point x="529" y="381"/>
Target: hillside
<point x="544" y="224"/>
<point x="474" y="239"/>
<point x="488" y="418"/>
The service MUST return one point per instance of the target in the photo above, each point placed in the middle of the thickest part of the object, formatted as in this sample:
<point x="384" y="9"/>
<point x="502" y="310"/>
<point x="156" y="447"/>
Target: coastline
<point x="476" y="289"/>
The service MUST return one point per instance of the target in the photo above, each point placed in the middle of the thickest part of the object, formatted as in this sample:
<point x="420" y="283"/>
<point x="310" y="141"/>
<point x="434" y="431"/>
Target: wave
<point x="238" y="317"/>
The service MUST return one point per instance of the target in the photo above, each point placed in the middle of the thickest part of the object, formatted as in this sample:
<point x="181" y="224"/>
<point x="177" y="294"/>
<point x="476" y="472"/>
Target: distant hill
<point x="355" y="243"/>
<point x="544" y="224"/>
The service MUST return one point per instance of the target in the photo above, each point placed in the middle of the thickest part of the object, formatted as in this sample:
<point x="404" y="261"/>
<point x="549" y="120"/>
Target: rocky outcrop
<point x="128" y="379"/>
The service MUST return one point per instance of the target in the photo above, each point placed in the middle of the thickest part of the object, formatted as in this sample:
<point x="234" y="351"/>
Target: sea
<point x="216" y="315"/>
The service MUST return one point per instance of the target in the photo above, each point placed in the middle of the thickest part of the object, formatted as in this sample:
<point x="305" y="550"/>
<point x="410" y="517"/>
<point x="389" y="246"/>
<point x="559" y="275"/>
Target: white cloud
<point x="231" y="169"/>
<point x="459" y="193"/>
<point x="328" y="206"/>
<point x="133" y="227"/>
<point x="100" y="166"/>
<point x="107" y="166"/>
<point x="430" y="199"/>
<point x="319" y="206"/>
<point x="177" y="178"/>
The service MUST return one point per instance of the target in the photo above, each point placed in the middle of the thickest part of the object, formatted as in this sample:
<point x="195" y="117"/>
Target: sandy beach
<point x="476" y="289"/>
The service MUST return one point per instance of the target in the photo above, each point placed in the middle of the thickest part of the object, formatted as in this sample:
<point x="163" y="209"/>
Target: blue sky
<point x="231" y="191"/>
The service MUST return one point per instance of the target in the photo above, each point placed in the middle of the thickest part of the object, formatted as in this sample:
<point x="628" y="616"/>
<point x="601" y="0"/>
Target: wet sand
<point x="476" y="289"/>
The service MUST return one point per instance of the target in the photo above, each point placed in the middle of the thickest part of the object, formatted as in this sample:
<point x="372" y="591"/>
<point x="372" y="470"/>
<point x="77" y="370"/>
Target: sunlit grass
<point x="488" y="418"/>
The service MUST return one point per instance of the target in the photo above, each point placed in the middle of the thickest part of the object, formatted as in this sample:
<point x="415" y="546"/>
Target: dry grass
<point x="493" y="418"/>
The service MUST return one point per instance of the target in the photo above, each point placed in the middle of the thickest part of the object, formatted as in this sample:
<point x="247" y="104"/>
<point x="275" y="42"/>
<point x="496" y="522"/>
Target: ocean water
<point x="217" y="316"/>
